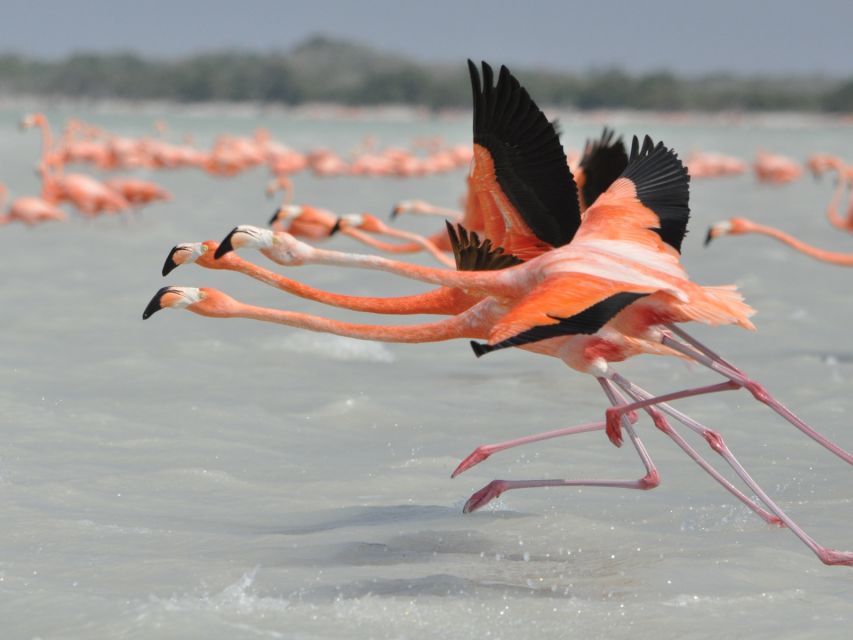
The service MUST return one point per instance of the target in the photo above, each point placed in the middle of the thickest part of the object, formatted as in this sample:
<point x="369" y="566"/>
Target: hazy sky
<point x="682" y="35"/>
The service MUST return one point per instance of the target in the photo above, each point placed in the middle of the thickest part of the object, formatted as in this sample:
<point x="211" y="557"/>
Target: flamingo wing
<point x="602" y="163"/>
<point x="563" y="304"/>
<point x="520" y="179"/>
<point x="472" y="254"/>
<point x="643" y="215"/>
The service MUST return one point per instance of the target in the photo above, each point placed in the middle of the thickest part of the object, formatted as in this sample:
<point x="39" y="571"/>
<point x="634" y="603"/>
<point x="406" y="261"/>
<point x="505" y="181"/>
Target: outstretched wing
<point x="602" y="163"/>
<point x="643" y="215"/>
<point x="520" y="179"/>
<point x="563" y="304"/>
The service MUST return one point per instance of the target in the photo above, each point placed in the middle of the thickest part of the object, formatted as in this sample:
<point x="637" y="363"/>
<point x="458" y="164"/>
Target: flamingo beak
<point x="274" y="218"/>
<point x="394" y="212"/>
<point x="172" y="297"/>
<point x="156" y="302"/>
<point x="226" y="245"/>
<point x="337" y="227"/>
<point x="170" y="263"/>
<point x="709" y="236"/>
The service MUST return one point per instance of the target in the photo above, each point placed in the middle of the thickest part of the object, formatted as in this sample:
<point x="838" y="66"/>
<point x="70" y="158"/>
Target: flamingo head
<point x="363" y="221"/>
<point x="730" y="227"/>
<point x="400" y="207"/>
<point x="32" y="120"/>
<point x="203" y="301"/>
<point x="245" y="235"/>
<point x="187" y="253"/>
<point x="284" y="214"/>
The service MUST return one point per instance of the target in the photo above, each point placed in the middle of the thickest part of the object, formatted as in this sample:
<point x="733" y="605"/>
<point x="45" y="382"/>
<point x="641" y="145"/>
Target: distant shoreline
<point x="400" y="112"/>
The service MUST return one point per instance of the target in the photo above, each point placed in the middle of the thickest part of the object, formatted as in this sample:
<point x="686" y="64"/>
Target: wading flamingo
<point x="741" y="226"/>
<point x="622" y="257"/>
<point x="820" y="163"/>
<point x="29" y="210"/>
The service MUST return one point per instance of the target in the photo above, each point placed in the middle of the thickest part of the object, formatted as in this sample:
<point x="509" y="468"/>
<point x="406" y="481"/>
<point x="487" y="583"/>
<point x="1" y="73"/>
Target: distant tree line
<point x="324" y="70"/>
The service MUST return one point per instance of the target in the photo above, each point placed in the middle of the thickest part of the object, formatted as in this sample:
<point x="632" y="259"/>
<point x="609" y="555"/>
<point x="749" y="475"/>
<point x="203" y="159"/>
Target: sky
<point x="684" y="36"/>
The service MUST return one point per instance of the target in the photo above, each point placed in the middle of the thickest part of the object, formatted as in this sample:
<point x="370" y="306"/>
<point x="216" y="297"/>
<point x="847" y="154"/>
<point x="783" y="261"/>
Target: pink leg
<point x="614" y="430"/>
<point x="715" y="440"/>
<point x="652" y="479"/>
<point x="482" y="452"/>
<point x="704" y="357"/>
<point x="663" y="424"/>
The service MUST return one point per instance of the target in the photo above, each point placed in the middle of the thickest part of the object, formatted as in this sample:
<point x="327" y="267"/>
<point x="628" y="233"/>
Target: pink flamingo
<point x="29" y="210"/>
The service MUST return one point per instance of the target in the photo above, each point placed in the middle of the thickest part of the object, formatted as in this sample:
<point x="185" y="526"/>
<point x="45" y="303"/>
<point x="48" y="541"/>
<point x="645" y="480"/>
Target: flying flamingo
<point x="740" y="226"/>
<point x="29" y="210"/>
<point x="622" y="258"/>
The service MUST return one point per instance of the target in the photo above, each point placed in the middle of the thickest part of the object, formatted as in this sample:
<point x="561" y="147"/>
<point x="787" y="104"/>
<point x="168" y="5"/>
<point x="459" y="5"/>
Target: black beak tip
<point x="154" y="304"/>
<point x="225" y="246"/>
<point x="274" y="217"/>
<point x="335" y="228"/>
<point x="170" y="263"/>
<point x="394" y="214"/>
<point x="709" y="236"/>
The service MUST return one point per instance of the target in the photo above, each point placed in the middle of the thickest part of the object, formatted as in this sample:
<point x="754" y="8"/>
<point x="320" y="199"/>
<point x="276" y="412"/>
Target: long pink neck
<point x="843" y="259"/>
<point x="442" y="301"/>
<point x="46" y="139"/>
<point x="503" y="283"/>
<point x="459" y="326"/>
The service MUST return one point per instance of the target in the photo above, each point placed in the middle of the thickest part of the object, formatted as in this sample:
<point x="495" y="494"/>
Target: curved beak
<point x="225" y="246"/>
<point x="170" y="263"/>
<point x="394" y="212"/>
<point x="274" y="216"/>
<point x="155" y="304"/>
<point x="337" y="227"/>
<point x="709" y="236"/>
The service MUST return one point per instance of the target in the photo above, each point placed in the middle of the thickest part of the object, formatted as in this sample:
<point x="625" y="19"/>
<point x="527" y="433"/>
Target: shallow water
<point x="182" y="477"/>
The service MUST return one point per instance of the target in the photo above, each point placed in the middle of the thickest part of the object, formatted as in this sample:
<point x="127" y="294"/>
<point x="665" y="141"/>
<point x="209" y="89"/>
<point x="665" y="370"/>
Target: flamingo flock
<point x="576" y="261"/>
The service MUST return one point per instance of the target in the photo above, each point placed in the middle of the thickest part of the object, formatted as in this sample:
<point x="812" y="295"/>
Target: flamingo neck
<point x="496" y="283"/>
<point x="454" y="327"/>
<point x="844" y="259"/>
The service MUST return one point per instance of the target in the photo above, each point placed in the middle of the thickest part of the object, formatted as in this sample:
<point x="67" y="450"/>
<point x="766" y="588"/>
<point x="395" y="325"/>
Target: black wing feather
<point x="586" y="322"/>
<point x="603" y="162"/>
<point x="473" y="255"/>
<point x="663" y="185"/>
<point x="530" y="164"/>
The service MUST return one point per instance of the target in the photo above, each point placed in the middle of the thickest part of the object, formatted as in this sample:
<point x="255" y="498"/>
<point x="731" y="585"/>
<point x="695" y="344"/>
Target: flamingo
<point x="820" y="163"/>
<point x="775" y="168"/>
<point x="138" y="192"/>
<point x="29" y="210"/>
<point x="604" y="290"/>
<point x="84" y="192"/>
<point x="740" y="226"/>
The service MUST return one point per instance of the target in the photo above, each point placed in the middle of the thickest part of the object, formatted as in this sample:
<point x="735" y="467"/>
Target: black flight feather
<point x="473" y="255"/>
<point x="603" y="162"/>
<point x="530" y="164"/>
<point x="663" y="185"/>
